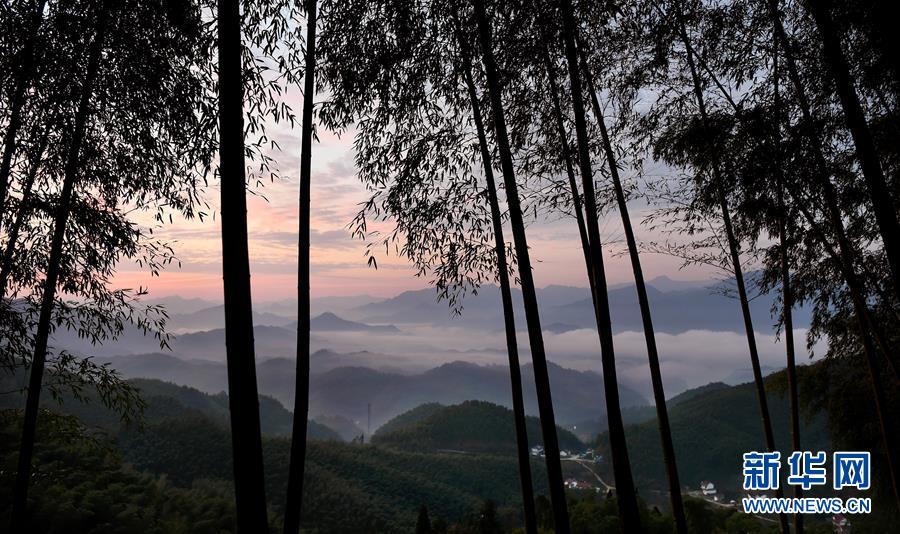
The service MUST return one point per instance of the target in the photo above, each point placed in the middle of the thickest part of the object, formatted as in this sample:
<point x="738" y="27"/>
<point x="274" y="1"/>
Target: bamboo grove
<point x="763" y="135"/>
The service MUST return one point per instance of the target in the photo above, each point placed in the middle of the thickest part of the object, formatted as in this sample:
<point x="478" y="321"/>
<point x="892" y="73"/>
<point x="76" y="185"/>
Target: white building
<point x="841" y="524"/>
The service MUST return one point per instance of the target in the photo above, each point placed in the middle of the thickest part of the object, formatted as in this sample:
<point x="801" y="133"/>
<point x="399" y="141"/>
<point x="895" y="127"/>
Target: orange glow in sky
<point x="338" y="263"/>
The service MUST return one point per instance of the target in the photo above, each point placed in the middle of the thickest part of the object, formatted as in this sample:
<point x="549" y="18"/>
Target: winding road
<point x="585" y="464"/>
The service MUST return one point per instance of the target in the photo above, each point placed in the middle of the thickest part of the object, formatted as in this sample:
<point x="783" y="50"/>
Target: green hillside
<point x="182" y="452"/>
<point x="345" y="481"/>
<point x="172" y="475"/>
<point x="410" y="417"/>
<point x="165" y="401"/>
<point x="82" y="485"/>
<point x="347" y="429"/>
<point x="473" y="427"/>
<point x="696" y="392"/>
<point x="712" y="426"/>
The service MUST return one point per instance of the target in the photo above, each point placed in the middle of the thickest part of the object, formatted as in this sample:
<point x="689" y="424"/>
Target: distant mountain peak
<point x="666" y="284"/>
<point x="329" y="321"/>
<point x="456" y="365"/>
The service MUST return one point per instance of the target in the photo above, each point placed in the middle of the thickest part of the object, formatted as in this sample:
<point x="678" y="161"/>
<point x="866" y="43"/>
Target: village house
<point x="708" y="488"/>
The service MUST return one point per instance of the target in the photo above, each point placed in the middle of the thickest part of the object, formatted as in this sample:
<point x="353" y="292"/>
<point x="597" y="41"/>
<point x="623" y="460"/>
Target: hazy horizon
<point x="698" y="345"/>
<point x="188" y="294"/>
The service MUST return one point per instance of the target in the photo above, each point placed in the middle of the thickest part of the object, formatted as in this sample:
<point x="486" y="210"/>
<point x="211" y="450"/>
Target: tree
<point x="659" y="396"/>
<point x="532" y="317"/>
<point x="418" y="156"/>
<point x="787" y="293"/>
<point x="847" y="253"/>
<point x="879" y="193"/>
<point x="29" y="427"/>
<point x="301" y="392"/>
<point x="246" y="440"/>
<point x="423" y="523"/>
<point x="734" y="252"/>
<point x="627" y="497"/>
<point x="523" y="453"/>
<point x="25" y="71"/>
<point x="22" y="212"/>
<point x="707" y="200"/>
<point x="570" y="172"/>
<point x="145" y="107"/>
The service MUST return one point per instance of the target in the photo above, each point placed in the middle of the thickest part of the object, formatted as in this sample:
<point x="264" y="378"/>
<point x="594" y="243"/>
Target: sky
<point x="338" y="263"/>
<point x="339" y="268"/>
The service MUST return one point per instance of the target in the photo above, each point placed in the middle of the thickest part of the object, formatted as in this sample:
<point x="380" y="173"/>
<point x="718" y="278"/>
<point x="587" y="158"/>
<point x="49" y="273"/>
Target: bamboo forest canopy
<point x="109" y="121"/>
<point x="763" y="134"/>
<point x="393" y="71"/>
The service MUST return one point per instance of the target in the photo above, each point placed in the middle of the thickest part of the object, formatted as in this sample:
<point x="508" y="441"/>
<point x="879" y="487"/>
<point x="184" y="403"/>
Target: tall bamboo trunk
<point x="509" y="320"/>
<point x="570" y="171"/>
<point x="885" y="30"/>
<point x="243" y="398"/>
<point x="734" y="253"/>
<point x="787" y="318"/>
<point x="39" y="359"/>
<point x="879" y="192"/>
<point x="787" y="296"/>
<point x="625" y="491"/>
<point x="294" y="503"/>
<point x="846" y="257"/>
<point x="23" y="81"/>
<point x="868" y="329"/>
<point x="532" y="317"/>
<point x="849" y="256"/>
<point x="659" y="395"/>
<point x="23" y="211"/>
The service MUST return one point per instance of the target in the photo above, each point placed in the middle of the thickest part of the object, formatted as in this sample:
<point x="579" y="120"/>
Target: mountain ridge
<point x="469" y="427"/>
<point x="347" y="391"/>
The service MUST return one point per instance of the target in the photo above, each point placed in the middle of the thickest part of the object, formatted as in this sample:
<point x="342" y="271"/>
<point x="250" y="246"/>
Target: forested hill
<point x="348" y="391"/>
<point x="165" y="401"/>
<point x="712" y="426"/>
<point x="471" y="427"/>
<point x="410" y="417"/>
<point x="175" y="470"/>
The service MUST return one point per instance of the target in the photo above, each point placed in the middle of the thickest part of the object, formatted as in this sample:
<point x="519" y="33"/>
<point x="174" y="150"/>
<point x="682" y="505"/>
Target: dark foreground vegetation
<point x="173" y="471"/>
<point x="172" y="474"/>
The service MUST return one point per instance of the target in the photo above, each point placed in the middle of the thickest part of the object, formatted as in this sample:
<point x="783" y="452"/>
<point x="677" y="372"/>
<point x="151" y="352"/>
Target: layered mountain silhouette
<point x="329" y="322"/>
<point x="563" y="309"/>
<point x="348" y="391"/>
<point x="270" y="341"/>
<point x="165" y="401"/>
<point x="214" y="317"/>
<point x="682" y="308"/>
